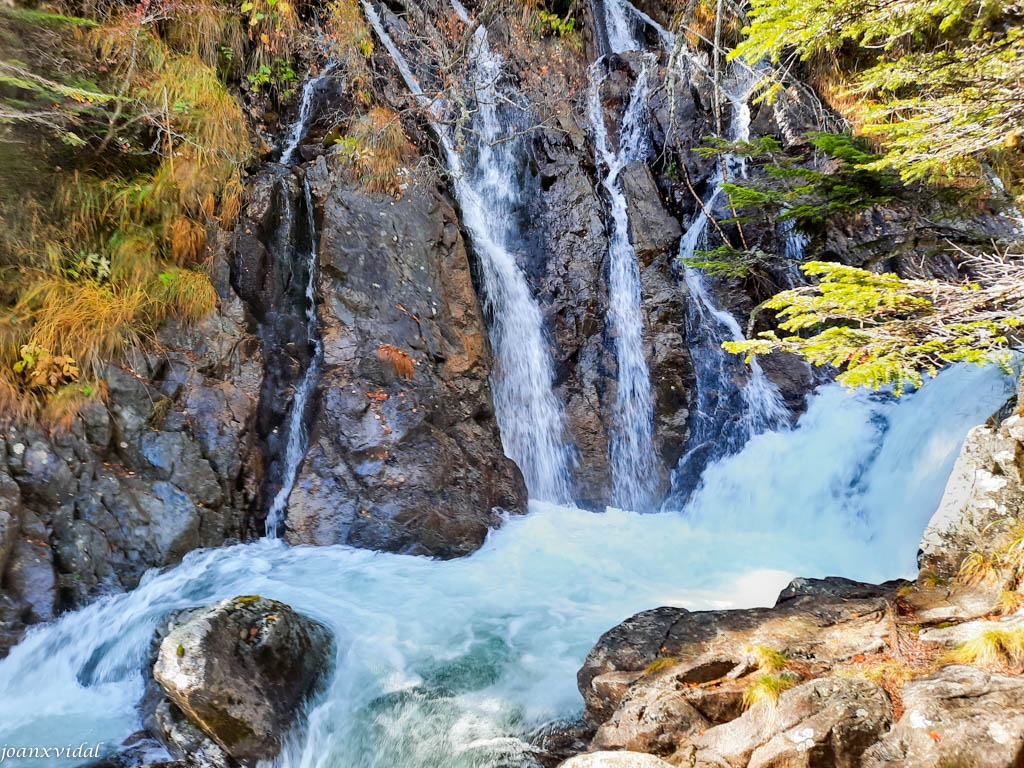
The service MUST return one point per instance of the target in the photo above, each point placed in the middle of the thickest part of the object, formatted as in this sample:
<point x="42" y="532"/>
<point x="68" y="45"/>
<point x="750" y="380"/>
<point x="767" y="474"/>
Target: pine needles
<point x="881" y="330"/>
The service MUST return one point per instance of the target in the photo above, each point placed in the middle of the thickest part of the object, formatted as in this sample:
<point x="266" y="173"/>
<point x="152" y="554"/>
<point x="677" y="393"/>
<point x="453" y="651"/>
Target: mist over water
<point x="455" y="663"/>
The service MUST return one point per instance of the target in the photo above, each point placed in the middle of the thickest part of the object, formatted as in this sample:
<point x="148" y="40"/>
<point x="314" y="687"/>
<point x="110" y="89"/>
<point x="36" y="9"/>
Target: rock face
<point x="240" y="671"/>
<point x="982" y="506"/>
<point x="569" y="274"/>
<point x="165" y="463"/>
<point x="986" y="487"/>
<point x="405" y="453"/>
<point x="814" y="628"/>
<point x="824" y="722"/>
<point x="959" y="716"/>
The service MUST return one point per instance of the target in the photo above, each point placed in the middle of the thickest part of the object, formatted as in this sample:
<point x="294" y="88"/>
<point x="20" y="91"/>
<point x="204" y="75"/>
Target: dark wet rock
<point x="672" y="375"/>
<point x="560" y="740"/>
<point x="794" y="377"/>
<point x="652" y="230"/>
<point x="836" y="586"/>
<point x="824" y="723"/>
<point x="183" y="739"/>
<point x="409" y="460"/>
<point x="240" y="671"/>
<point x="960" y="716"/>
<point x="30" y="575"/>
<point x="570" y="282"/>
<point x="140" y="750"/>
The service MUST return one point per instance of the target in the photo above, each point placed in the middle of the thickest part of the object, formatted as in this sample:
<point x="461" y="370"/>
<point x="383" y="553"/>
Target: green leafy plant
<point x="880" y="330"/>
<point x="558" y="25"/>
<point x="938" y="82"/>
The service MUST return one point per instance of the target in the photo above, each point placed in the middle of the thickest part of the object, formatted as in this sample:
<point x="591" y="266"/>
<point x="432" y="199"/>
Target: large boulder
<point x="974" y="525"/>
<point x="985" y="487"/>
<point x="405" y="452"/>
<point x="824" y="723"/>
<point x="816" y="622"/>
<point x="960" y="716"/>
<point x="239" y="671"/>
<point x="665" y="706"/>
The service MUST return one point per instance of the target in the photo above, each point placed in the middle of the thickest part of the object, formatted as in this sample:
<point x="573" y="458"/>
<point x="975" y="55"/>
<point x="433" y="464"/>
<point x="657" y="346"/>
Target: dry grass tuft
<point x="184" y="293"/>
<point x="377" y="149"/>
<point x="995" y="648"/>
<point x="187" y="240"/>
<point x="767" y="689"/>
<point x="768" y="659"/>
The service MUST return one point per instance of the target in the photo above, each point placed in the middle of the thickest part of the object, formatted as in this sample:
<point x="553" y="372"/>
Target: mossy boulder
<point x="241" y="669"/>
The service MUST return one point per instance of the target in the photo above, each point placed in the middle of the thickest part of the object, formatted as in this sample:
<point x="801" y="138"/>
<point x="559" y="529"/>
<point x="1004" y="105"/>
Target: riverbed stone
<point x="819" y="625"/>
<point x="960" y="716"/>
<point x="823" y="723"/>
<point x="240" y="671"/>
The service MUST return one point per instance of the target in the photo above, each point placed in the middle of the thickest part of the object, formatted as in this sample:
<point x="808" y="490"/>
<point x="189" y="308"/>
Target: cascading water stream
<point x="298" y="438"/>
<point x="621" y="31"/>
<point x="726" y="414"/>
<point x="307" y="109"/>
<point x="632" y="456"/>
<point x="457" y="663"/>
<point x="527" y="410"/>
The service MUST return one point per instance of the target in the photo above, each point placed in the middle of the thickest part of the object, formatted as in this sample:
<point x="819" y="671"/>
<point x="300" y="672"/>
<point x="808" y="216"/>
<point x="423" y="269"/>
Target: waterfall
<point x="295" y="449"/>
<point x="528" y="413"/>
<point x="621" y="29"/>
<point x="306" y="111"/>
<point x="726" y="414"/>
<point x="632" y="456"/>
<point x="457" y="663"/>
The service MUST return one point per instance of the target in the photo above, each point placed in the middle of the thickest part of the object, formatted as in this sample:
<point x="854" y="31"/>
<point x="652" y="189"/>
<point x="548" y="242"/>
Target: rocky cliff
<point x="167" y="462"/>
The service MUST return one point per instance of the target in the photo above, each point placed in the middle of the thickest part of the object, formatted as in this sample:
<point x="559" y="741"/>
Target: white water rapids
<point x="453" y="663"/>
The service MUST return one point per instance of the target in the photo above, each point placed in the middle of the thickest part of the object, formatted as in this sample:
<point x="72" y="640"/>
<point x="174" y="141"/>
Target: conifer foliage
<point x="939" y="82"/>
<point x="880" y="330"/>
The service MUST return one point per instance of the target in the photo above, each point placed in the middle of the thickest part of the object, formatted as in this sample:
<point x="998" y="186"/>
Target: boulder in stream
<point x="240" y="671"/>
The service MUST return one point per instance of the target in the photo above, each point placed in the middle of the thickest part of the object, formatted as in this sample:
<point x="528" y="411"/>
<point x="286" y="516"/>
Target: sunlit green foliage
<point x="939" y="82"/>
<point x="791" y="190"/>
<point x="880" y="330"/>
